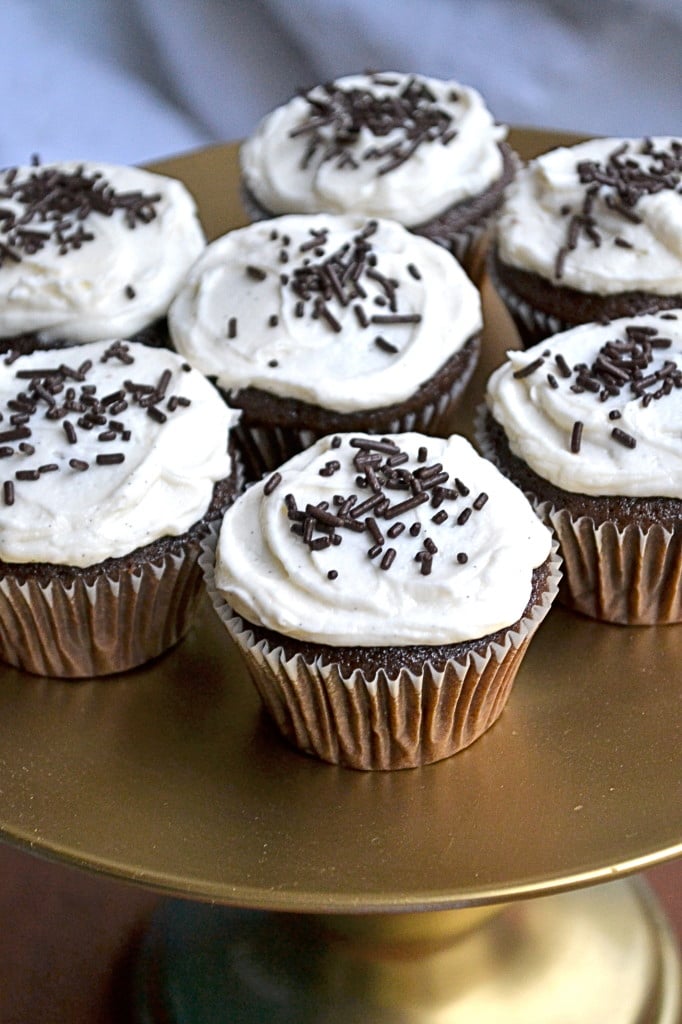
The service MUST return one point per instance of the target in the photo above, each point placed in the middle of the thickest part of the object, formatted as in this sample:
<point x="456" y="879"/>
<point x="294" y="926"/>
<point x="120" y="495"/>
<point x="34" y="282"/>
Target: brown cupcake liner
<point x="628" y="576"/>
<point x="264" y="447"/>
<point x="620" y="574"/>
<point x="384" y="722"/>
<point x="466" y="244"/>
<point x="80" y="626"/>
<point x="533" y="325"/>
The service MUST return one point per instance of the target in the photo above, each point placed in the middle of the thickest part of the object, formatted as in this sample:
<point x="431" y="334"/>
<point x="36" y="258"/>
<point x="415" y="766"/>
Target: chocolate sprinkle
<point x="62" y="202"/>
<point x="337" y="116"/>
<point x="380" y="464"/>
<point x="325" y="283"/>
<point x="627" y="440"/>
<point x="619" y="183"/>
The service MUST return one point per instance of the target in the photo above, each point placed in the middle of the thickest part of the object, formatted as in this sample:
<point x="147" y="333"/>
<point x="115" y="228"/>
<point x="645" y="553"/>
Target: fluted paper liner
<point x="626" y="575"/>
<point x="413" y="719"/>
<point x="533" y="325"/>
<point x="75" y="629"/>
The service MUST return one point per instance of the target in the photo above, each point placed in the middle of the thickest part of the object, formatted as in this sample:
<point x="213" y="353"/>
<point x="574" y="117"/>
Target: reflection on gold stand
<point x="600" y="956"/>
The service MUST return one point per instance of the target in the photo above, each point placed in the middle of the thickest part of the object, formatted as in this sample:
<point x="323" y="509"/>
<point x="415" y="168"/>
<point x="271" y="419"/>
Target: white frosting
<point x="538" y="419"/>
<point x="435" y="176"/>
<point x="163" y="486"/>
<point x="84" y="293"/>
<point x="272" y="577"/>
<point x="533" y="224"/>
<point x="305" y="358"/>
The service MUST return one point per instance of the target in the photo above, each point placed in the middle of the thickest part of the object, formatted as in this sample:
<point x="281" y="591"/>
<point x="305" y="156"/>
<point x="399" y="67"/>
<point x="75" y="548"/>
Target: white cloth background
<point x="132" y="80"/>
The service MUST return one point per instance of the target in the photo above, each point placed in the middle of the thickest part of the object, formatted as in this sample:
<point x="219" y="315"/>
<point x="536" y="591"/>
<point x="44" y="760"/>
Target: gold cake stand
<point x="496" y="885"/>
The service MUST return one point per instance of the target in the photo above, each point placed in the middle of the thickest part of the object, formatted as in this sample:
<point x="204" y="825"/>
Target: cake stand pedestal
<point x="597" y="956"/>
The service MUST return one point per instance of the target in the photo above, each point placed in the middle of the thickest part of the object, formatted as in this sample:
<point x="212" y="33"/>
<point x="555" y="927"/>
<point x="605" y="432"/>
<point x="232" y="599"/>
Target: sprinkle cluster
<point x="54" y="204"/>
<point x="322" y="284"/>
<point x="619" y="183"/>
<point x="624" y="364"/>
<point x="338" y="115"/>
<point x="66" y="394"/>
<point x="389" y="488"/>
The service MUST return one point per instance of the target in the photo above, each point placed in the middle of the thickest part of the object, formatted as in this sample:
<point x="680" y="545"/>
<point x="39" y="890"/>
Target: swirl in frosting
<point x="104" y="448"/>
<point x="382" y="542"/>
<point x="392" y="145"/>
<point x="91" y="251"/>
<point x="598" y="409"/>
<point x="340" y="312"/>
<point x="603" y="217"/>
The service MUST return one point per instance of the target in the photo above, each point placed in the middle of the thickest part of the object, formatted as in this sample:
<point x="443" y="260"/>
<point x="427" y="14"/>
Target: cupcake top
<point x="339" y="312"/>
<point x="103" y="449"/>
<point x="395" y="541"/>
<point x="602" y="217"/>
<point x="597" y="409"/>
<point x="386" y="145"/>
<point x="91" y="251"/>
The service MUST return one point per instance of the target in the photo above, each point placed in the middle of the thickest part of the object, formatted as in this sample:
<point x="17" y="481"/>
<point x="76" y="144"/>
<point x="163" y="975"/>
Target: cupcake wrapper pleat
<point x="74" y="629"/>
<point x="413" y="719"/>
<point x="465" y="244"/>
<point x="627" y="575"/>
<point x="630" y="576"/>
<point x="533" y="325"/>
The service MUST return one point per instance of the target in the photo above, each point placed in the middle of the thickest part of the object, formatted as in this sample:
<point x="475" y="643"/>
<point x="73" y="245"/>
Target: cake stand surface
<point x="171" y="777"/>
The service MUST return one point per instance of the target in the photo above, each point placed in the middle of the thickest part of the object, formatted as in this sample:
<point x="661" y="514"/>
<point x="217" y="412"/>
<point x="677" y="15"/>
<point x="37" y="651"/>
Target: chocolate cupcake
<point x="115" y="464"/>
<point x="382" y="593"/>
<point x="91" y="252"/>
<point x="419" y="150"/>
<point x="591" y="232"/>
<point x="312" y="325"/>
<point x="588" y="426"/>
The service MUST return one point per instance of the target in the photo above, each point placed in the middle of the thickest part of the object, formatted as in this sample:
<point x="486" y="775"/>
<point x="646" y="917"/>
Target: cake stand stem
<point x="601" y="955"/>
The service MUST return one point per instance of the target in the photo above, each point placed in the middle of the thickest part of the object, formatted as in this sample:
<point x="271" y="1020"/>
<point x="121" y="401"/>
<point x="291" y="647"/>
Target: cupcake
<point x="90" y="252"/>
<point x="418" y="150"/>
<point x="312" y="325"/>
<point x="589" y="233"/>
<point x="588" y="426"/>
<point x="382" y="592"/>
<point x="115" y="463"/>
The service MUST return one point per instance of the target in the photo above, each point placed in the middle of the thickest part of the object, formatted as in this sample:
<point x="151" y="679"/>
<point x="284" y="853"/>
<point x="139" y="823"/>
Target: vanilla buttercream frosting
<point x="341" y="312"/>
<point x="91" y="251"/>
<point x="392" y="145"/>
<point x="381" y="542"/>
<point x="104" y="448"/>
<point x="598" y="409"/>
<point x="604" y="217"/>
